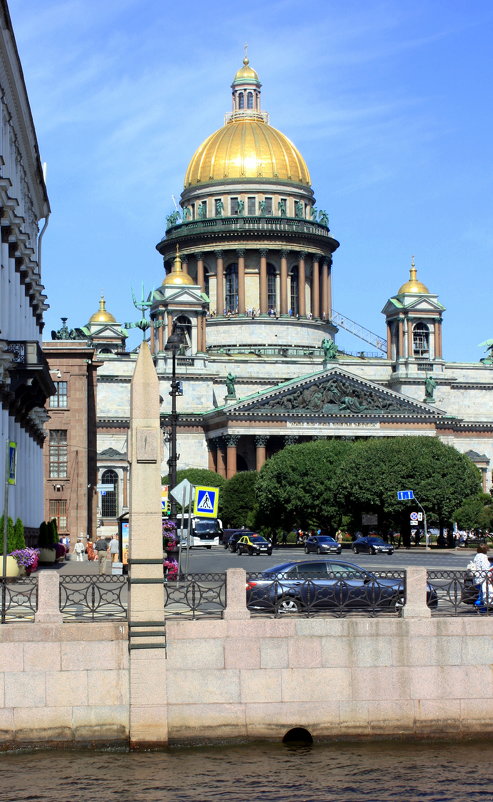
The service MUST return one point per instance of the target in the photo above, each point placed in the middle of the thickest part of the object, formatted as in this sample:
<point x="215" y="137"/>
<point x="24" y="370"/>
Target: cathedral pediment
<point x="181" y="296"/>
<point x="332" y="393"/>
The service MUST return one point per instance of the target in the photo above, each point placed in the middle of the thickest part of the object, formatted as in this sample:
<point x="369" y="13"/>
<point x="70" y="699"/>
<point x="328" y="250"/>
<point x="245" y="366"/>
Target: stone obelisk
<point x="147" y="641"/>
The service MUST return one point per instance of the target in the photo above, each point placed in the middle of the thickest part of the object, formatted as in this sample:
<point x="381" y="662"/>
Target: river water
<point x="335" y="772"/>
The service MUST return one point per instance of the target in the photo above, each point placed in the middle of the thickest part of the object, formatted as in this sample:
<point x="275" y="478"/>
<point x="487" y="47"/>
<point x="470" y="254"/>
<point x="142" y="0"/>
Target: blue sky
<point x="389" y="102"/>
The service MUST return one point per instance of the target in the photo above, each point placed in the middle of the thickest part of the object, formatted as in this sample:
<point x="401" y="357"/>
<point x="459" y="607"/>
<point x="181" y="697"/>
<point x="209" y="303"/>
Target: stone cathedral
<point x="248" y="261"/>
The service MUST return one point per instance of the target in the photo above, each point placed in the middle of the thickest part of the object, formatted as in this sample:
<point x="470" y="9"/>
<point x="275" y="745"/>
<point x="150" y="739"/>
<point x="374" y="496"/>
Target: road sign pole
<point x="427" y="537"/>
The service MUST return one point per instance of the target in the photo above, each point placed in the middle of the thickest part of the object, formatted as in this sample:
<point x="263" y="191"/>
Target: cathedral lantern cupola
<point x="414" y="325"/>
<point x="246" y="91"/>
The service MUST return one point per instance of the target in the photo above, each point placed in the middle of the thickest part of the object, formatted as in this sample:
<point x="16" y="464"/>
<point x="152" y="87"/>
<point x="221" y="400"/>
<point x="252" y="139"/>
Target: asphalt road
<point x="219" y="559"/>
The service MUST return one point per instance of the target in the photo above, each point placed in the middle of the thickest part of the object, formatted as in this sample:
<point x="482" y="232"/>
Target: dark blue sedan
<point x="372" y="545"/>
<point x="323" y="585"/>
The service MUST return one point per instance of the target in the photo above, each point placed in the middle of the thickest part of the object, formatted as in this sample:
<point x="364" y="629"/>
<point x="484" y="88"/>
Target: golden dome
<point x="246" y="73"/>
<point x="247" y="148"/>
<point x="102" y="316"/>
<point x="413" y="285"/>
<point x="177" y="277"/>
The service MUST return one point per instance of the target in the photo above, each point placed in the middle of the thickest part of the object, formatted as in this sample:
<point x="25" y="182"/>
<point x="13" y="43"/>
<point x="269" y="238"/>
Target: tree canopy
<point x="239" y="500"/>
<point x="375" y="469"/>
<point x="297" y="486"/>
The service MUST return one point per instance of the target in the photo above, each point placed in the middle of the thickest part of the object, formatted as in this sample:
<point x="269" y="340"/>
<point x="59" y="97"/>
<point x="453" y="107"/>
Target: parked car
<point x="322" y="544"/>
<point x="326" y="584"/>
<point x="372" y="545"/>
<point x="227" y="534"/>
<point x="253" y="544"/>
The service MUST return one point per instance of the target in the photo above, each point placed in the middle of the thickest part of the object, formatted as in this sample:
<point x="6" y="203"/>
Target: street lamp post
<point x="173" y="344"/>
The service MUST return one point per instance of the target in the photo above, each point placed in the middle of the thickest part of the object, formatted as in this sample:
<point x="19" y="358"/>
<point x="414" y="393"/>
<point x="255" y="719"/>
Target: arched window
<point x="271" y="288"/>
<point x="185" y="325"/>
<point x="109" y="502"/>
<point x="294" y="290"/>
<point x="232" y="288"/>
<point x="241" y="101"/>
<point x="421" y="339"/>
<point x="250" y="100"/>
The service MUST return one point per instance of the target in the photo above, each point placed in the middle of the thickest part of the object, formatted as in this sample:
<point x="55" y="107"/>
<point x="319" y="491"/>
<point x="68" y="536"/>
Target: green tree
<point x="298" y="485"/>
<point x="11" y="540"/>
<point x="476" y="512"/>
<point x="440" y="476"/>
<point x="239" y="500"/>
<point x="20" y="542"/>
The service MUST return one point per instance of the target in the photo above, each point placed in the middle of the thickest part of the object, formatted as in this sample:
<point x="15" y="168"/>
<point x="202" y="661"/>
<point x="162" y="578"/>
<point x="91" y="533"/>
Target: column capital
<point x="219" y="254"/>
<point x="284" y="253"/>
<point x="263" y="251"/>
<point x="302" y="254"/>
<point x="261" y="440"/>
<point x="290" y="439"/>
<point x="240" y="252"/>
<point x="232" y="440"/>
<point x="317" y="257"/>
<point x="199" y="255"/>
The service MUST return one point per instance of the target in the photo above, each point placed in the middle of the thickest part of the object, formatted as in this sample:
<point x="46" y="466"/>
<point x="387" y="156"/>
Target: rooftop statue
<point x="430" y="385"/>
<point x="298" y="209"/>
<point x="282" y="208"/>
<point x="487" y="360"/>
<point x="230" y="385"/>
<point x="329" y="349"/>
<point x="323" y="218"/>
<point x="172" y="219"/>
<point x="241" y="207"/>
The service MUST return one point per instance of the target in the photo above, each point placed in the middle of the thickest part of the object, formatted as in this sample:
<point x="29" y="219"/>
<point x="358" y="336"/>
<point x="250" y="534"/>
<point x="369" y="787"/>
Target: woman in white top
<point x="482" y="578"/>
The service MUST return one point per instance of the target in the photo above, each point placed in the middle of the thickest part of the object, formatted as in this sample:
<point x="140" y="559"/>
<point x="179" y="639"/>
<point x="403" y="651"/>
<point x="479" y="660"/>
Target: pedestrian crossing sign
<point x="206" y="501"/>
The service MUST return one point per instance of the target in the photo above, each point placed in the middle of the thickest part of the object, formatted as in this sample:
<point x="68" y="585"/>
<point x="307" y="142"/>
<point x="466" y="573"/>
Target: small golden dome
<point x="102" y="316"/>
<point x="247" y="148"/>
<point x="177" y="277"/>
<point x="413" y="285"/>
<point x="246" y="73"/>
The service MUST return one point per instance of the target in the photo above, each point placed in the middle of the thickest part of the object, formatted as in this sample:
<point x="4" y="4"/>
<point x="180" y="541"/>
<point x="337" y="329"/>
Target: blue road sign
<point x="405" y="495"/>
<point x="206" y="501"/>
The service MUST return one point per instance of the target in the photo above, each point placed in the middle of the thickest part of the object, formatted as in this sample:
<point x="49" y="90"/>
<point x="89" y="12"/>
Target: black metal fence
<point x="338" y="594"/>
<point x="93" y="598"/>
<point x="459" y="593"/>
<point x="194" y="596"/>
<point x="18" y="599"/>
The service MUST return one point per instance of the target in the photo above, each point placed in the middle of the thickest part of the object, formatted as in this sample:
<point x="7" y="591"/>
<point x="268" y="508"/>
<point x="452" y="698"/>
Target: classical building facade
<point x="25" y="381"/>
<point x="247" y="283"/>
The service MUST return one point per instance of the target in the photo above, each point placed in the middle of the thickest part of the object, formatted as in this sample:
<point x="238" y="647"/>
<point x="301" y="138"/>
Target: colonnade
<point x="313" y="269"/>
<point x="223" y="451"/>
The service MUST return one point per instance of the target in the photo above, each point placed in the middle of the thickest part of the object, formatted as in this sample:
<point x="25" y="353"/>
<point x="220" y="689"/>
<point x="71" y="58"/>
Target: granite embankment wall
<point x="244" y="677"/>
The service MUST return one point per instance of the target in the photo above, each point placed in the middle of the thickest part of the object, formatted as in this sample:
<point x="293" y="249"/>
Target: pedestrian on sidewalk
<point x="79" y="550"/>
<point x="114" y="548"/>
<point x="101" y="548"/>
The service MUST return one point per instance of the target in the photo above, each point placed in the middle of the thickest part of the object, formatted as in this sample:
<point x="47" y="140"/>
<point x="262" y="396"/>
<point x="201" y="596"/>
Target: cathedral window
<point x="252" y="206"/>
<point x="268" y="206"/>
<point x="421" y="339"/>
<point x="232" y="288"/>
<point x="206" y="281"/>
<point x="294" y="291"/>
<point x="58" y="450"/>
<point x="185" y="326"/>
<point x="110" y="498"/>
<point x="250" y="100"/>
<point x="271" y="288"/>
<point x="241" y="100"/>
<point x="234" y="206"/>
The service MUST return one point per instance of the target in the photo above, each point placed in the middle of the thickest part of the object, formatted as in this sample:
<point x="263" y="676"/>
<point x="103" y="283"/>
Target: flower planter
<point x="47" y="555"/>
<point x="13" y="569"/>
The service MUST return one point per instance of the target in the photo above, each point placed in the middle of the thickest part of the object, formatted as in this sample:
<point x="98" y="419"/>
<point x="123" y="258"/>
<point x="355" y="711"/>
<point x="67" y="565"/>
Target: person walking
<point x="101" y="548"/>
<point x="79" y="550"/>
<point x="482" y="578"/>
<point x="114" y="548"/>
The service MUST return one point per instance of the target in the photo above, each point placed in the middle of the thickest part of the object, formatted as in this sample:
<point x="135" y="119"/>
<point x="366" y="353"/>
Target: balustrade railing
<point x="93" y="598"/>
<point x="195" y="596"/>
<point x="18" y="599"/>
<point x="458" y="593"/>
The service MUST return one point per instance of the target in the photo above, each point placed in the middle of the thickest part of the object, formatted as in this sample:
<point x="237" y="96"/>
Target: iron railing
<point x="93" y="598"/>
<point x="339" y="595"/>
<point x="458" y="594"/>
<point x="195" y="596"/>
<point x="18" y="599"/>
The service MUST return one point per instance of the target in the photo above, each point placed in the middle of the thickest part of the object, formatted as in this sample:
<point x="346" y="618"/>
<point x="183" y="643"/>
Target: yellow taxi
<point x="253" y="544"/>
